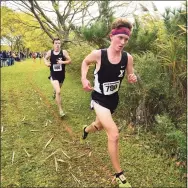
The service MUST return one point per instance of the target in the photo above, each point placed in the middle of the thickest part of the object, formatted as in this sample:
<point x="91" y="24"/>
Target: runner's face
<point x="119" y="41"/>
<point x="57" y="45"/>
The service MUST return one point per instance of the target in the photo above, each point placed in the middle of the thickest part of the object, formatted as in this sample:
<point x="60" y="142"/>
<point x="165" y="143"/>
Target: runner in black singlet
<point x="108" y="80"/>
<point x="111" y="65"/>
<point x="56" y="59"/>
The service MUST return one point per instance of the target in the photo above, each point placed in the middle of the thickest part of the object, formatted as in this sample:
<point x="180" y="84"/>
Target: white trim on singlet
<point x="96" y="83"/>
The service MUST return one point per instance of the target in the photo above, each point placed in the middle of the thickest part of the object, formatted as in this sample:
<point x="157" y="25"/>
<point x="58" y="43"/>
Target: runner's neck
<point x="56" y="52"/>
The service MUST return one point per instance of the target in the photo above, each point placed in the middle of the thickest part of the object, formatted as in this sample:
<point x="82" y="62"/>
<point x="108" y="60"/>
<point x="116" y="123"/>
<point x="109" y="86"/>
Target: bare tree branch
<point x="56" y="8"/>
<point x="42" y="13"/>
<point x="23" y="4"/>
<point x="67" y="6"/>
<point x="39" y="20"/>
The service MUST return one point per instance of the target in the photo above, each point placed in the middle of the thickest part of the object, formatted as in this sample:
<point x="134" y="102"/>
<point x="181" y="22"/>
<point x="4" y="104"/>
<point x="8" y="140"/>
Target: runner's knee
<point x="58" y="91"/>
<point x="113" y="136"/>
<point x="97" y="125"/>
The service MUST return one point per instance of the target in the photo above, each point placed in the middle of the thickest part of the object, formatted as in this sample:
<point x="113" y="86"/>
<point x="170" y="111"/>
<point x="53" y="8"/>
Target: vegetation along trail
<point x="41" y="149"/>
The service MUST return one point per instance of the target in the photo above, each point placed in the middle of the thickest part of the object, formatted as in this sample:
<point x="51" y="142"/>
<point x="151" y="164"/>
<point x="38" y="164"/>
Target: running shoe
<point x="121" y="180"/>
<point x="84" y="134"/>
<point x="61" y="113"/>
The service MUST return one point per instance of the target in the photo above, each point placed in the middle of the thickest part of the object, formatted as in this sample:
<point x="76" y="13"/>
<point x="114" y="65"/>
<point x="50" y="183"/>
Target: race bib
<point x="111" y="87"/>
<point x="57" y="67"/>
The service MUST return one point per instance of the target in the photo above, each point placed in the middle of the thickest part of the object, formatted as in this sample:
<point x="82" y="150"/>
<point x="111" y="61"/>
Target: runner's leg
<point x="57" y="89"/>
<point x="105" y="118"/>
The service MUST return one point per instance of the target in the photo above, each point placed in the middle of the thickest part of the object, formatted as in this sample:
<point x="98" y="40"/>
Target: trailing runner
<point x="56" y="59"/>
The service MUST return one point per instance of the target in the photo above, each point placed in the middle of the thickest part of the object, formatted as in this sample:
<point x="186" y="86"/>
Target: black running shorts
<point x="56" y="77"/>
<point x="108" y="101"/>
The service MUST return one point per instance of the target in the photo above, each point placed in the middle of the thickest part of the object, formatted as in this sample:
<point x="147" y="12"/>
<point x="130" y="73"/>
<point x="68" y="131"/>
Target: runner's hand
<point x="86" y="85"/>
<point x="59" y="62"/>
<point x="132" y="78"/>
<point x="48" y="64"/>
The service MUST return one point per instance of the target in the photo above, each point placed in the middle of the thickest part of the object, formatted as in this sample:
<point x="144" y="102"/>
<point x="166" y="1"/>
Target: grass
<point x="39" y="149"/>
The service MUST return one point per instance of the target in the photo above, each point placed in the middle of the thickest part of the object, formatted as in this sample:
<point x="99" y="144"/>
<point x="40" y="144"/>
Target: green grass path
<point x="39" y="149"/>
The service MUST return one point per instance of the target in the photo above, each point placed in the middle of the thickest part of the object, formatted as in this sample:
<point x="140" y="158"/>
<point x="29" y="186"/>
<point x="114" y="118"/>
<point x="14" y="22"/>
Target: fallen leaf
<point x="48" y="142"/>
<point x="89" y="154"/>
<point x="23" y="118"/>
<point x="178" y="164"/>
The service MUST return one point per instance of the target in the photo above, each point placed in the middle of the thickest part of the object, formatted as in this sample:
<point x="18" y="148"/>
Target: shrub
<point x="146" y="98"/>
<point x="173" y="140"/>
<point x="77" y="54"/>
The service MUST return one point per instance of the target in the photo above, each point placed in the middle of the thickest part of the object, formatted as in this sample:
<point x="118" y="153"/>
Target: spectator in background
<point x="13" y="56"/>
<point x="30" y="55"/>
<point x="4" y="60"/>
<point x="34" y="56"/>
<point x="40" y="56"/>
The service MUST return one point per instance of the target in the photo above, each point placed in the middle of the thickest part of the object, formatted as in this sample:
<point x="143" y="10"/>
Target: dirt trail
<point x="100" y="166"/>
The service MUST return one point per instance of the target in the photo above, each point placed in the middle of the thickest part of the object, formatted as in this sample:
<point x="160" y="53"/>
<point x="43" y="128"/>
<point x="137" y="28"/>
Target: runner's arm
<point x="131" y="77"/>
<point x="46" y="59"/>
<point x="68" y="59"/>
<point x="91" y="58"/>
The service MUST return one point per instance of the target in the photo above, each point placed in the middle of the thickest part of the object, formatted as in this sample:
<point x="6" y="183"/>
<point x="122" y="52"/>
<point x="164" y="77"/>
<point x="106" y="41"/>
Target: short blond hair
<point x="121" y="22"/>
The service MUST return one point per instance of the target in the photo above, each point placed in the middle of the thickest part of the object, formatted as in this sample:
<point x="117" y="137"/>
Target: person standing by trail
<point x="110" y="67"/>
<point x="56" y="59"/>
<point x="34" y="56"/>
<point x="40" y="56"/>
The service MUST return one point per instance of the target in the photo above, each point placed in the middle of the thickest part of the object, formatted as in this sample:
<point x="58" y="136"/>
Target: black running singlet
<point x="57" y="70"/>
<point x="109" y="77"/>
